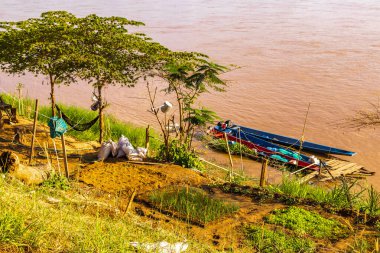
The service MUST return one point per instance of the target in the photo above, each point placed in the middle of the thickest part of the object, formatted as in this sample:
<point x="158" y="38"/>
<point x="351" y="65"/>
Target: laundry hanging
<point x="57" y="127"/>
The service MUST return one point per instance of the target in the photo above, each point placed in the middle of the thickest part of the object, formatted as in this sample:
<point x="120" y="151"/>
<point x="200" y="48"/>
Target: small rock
<point x="52" y="200"/>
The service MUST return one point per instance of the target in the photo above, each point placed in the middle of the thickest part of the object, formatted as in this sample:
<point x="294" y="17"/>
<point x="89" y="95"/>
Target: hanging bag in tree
<point x="57" y="127"/>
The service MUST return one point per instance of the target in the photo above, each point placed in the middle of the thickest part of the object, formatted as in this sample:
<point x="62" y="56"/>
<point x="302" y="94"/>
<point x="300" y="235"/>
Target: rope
<point x="56" y="155"/>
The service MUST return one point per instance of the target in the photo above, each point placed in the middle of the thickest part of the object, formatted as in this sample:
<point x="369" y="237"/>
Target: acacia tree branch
<point x="155" y="112"/>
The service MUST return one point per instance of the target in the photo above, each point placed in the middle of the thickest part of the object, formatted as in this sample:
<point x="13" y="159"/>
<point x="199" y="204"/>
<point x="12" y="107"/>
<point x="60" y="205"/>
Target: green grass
<point x="304" y="222"/>
<point x="268" y="241"/>
<point x="235" y="149"/>
<point x="28" y="223"/>
<point x="192" y="204"/>
<point x="340" y="196"/>
<point x="372" y="204"/>
<point x="113" y="128"/>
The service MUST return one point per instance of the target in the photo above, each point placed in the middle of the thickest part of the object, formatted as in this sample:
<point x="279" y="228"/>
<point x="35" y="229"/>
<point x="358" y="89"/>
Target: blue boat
<point x="292" y="142"/>
<point x="265" y="148"/>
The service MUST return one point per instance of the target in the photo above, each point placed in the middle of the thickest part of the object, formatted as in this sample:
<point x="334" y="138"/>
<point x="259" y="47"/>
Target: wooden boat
<point x="292" y="142"/>
<point x="266" y="149"/>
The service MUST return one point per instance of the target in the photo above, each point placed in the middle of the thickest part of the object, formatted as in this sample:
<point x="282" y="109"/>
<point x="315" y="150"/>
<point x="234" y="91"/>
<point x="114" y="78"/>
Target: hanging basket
<point x="57" y="127"/>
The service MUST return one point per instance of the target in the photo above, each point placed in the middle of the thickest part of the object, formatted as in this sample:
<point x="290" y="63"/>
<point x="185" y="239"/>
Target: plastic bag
<point x="142" y="152"/>
<point x="128" y="149"/>
<point x="105" y="151"/>
<point x="114" y="148"/>
<point x="122" y="141"/>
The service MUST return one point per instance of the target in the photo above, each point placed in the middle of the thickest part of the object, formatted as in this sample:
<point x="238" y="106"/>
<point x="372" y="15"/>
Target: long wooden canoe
<point x="267" y="149"/>
<point x="292" y="142"/>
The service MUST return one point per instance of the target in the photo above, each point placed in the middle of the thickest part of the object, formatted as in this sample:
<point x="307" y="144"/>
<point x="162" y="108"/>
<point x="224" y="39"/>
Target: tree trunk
<point x="101" y="124"/>
<point x="52" y="97"/>
<point x="181" y="128"/>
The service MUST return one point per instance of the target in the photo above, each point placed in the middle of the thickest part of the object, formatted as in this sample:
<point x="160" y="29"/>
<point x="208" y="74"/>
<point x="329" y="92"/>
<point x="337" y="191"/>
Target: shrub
<point x="304" y="222"/>
<point x="179" y="154"/>
<point x="57" y="181"/>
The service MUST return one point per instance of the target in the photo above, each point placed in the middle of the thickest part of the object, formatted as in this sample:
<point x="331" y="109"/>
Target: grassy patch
<point x="341" y="196"/>
<point x="304" y="222"/>
<point x="235" y="149"/>
<point x="192" y="204"/>
<point x="28" y="223"/>
<point x="57" y="181"/>
<point x="265" y="240"/>
<point x="113" y="128"/>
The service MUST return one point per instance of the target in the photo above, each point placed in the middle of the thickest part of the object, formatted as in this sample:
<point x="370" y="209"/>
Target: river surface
<point x="291" y="53"/>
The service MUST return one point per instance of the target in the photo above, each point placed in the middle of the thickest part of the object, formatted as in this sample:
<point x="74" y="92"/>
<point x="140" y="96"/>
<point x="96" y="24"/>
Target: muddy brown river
<point x="291" y="53"/>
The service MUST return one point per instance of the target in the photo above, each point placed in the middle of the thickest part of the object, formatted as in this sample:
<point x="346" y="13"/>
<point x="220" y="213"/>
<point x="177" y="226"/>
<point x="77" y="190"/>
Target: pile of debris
<point x="123" y="148"/>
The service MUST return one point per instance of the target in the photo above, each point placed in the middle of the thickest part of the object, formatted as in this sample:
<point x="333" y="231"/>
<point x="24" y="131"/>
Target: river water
<point x="291" y="53"/>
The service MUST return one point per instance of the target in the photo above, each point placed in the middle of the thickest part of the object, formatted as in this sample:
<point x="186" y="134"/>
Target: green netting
<point x="77" y="126"/>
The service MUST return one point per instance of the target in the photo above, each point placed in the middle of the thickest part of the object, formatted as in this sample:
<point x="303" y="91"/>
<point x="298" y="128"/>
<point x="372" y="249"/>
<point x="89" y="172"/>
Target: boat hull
<point x="264" y="148"/>
<point x="295" y="143"/>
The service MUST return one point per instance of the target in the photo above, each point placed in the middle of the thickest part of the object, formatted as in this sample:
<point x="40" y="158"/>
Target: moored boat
<point x="267" y="149"/>
<point x="292" y="142"/>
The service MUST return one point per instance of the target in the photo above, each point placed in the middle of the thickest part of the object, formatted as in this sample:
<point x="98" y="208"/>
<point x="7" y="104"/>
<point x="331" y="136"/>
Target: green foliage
<point x="304" y="222"/>
<point x="45" y="45"/>
<point x="268" y="241"/>
<point x="199" y="117"/>
<point x="16" y="230"/>
<point x="179" y="154"/>
<point x="189" y="75"/>
<point x="372" y="203"/>
<point x="57" y="181"/>
<point x="341" y="196"/>
<point x="192" y="204"/>
<point x="235" y="149"/>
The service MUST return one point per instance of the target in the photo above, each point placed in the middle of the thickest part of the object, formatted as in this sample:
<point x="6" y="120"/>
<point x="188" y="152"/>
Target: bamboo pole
<point x="303" y="132"/>
<point x="229" y="155"/>
<point x="147" y="140"/>
<point x="34" y="131"/>
<point x="241" y="152"/>
<point x="64" y="152"/>
<point x="263" y="172"/>
<point x="130" y="201"/>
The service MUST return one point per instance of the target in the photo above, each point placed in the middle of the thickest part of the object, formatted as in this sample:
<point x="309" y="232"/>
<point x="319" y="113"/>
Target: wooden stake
<point x="130" y="201"/>
<point x="263" y="172"/>
<point x="34" y="131"/>
<point x="229" y="154"/>
<point x="147" y="140"/>
<point x="64" y="152"/>
<point x="241" y="152"/>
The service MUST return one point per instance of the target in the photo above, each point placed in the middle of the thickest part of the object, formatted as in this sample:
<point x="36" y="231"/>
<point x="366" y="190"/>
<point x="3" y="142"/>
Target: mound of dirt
<point x="125" y="176"/>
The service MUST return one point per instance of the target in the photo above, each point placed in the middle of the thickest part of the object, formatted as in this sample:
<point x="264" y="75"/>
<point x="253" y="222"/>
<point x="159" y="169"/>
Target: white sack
<point x="105" y="151"/>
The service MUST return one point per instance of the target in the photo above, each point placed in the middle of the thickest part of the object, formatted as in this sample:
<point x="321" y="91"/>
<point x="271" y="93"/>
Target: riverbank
<point x="131" y="105"/>
<point x="98" y="194"/>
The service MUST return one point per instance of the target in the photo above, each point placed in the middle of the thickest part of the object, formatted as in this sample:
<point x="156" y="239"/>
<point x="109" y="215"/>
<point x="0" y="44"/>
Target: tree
<point x="113" y="56"/>
<point x="188" y="76"/>
<point x="43" y="46"/>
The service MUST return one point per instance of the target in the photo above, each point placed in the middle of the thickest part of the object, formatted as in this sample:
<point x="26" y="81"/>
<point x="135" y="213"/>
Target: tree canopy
<point x="102" y="51"/>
